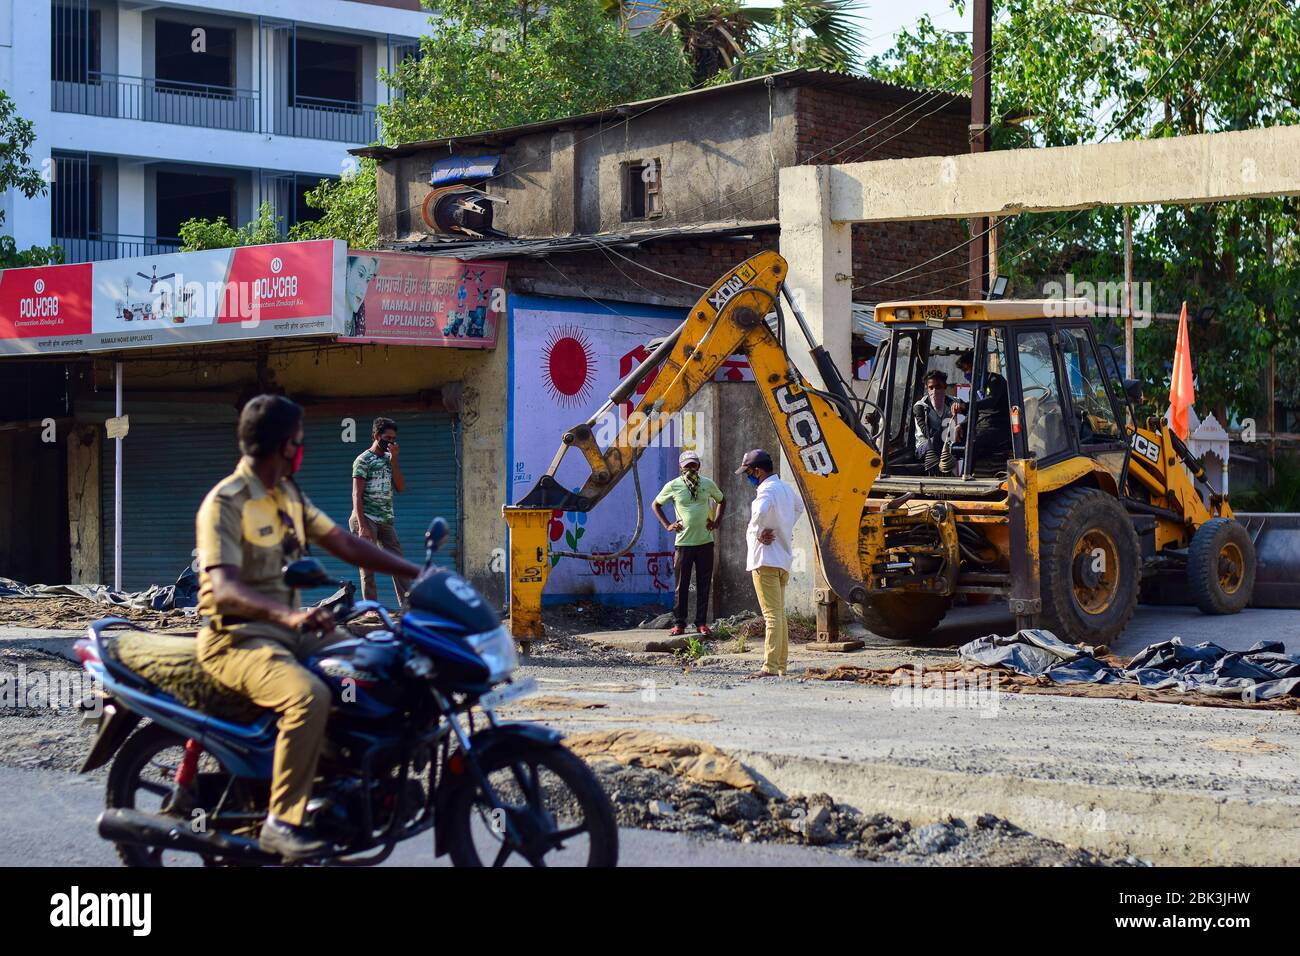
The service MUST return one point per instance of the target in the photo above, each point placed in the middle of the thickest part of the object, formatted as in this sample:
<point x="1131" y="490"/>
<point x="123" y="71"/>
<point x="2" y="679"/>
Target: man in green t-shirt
<point x="694" y="498"/>
<point x="376" y="474"/>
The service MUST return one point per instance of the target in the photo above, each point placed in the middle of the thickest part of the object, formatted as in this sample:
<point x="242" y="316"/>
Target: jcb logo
<point x="725" y="293"/>
<point x="1146" y="448"/>
<point x="801" y="423"/>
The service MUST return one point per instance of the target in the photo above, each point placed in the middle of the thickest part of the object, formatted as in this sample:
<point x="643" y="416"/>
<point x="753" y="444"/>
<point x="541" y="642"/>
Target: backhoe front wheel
<point x="1088" y="562"/>
<point x="1221" y="567"/>
<point x="902" y="616"/>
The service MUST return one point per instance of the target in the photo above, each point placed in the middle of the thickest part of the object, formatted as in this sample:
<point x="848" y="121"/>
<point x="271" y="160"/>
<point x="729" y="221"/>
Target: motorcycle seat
<point x="170" y="663"/>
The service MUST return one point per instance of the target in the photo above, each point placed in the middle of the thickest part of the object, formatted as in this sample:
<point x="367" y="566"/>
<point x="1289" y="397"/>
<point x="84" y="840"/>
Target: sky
<point x="884" y="18"/>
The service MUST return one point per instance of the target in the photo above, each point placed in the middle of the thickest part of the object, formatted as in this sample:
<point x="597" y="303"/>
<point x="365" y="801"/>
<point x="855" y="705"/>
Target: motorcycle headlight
<point x="497" y="648"/>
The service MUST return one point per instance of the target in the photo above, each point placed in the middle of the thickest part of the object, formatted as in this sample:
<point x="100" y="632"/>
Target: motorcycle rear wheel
<point x="560" y="812"/>
<point x="141" y="778"/>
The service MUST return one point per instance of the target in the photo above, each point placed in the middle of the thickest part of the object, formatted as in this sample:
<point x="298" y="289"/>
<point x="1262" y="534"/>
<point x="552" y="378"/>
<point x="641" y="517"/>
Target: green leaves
<point x="350" y="209"/>
<point x="196" y="234"/>
<point x="501" y="63"/>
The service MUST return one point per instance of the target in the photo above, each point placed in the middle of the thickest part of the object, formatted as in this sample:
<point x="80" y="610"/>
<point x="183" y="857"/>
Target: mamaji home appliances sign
<point x="253" y="292"/>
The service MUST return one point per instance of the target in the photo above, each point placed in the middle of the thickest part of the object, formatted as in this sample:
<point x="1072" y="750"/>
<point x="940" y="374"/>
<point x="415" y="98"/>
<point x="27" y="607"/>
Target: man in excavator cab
<point x="988" y="410"/>
<point x="934" y="424"/>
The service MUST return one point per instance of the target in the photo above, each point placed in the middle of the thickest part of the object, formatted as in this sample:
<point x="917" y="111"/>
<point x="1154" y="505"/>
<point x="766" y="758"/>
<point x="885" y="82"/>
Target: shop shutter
<point x="168" y="468"/>
<point x="429" y="464"/>
<point x="166" y="471"/>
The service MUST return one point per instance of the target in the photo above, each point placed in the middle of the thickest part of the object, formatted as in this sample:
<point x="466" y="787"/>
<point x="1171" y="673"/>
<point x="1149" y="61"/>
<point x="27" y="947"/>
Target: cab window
<point x="1044" y="418"/>
<point x="903" y="384"/>
<point x="1093" y="413"/>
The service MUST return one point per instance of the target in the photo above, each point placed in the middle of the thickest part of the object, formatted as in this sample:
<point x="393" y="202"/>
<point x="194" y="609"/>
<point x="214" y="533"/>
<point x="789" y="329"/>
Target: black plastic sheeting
<point x="1264" y="672"/>
<point x="182" y="595"/>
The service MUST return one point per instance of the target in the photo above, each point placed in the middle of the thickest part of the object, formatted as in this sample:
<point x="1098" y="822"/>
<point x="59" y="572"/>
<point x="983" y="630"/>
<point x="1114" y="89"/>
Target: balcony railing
<point x="100" y="246"/>
<point x="179" y="103"/>
<point x="316" y="117"/>
<point x="173" y="102"/>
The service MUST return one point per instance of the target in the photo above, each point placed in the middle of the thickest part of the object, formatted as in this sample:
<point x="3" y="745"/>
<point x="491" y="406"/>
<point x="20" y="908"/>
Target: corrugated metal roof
<point x="434" y="245"/>
<point x="865" y="325"/>
<point x="827" y="79"/>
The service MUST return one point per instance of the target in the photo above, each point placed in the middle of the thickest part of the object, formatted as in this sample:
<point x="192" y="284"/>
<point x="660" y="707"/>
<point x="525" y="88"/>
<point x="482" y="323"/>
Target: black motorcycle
<point x="413" y="744"/>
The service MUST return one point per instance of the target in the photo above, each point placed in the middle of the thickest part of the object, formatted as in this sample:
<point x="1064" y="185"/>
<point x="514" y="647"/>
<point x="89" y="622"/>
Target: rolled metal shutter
<point x="167" y="469"/>
<point x="430" y="465"/>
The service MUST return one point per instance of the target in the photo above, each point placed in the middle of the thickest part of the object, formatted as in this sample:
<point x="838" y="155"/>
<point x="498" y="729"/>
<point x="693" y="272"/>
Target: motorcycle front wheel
<point x="550" y="811"/>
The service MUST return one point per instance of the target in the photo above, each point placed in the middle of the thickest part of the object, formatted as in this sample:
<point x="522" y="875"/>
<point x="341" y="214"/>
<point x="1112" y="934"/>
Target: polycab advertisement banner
<point x="404" y="299"/>
<point x="252" y="292"/>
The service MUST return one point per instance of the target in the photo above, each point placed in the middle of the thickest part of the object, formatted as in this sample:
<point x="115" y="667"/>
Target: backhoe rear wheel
<point x="1088" y="561"/>
<point x="903" y="617"/>
<point x="1221" y="567"/>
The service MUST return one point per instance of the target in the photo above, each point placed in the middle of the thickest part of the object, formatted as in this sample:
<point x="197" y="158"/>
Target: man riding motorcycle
<point x="253" y="636"/>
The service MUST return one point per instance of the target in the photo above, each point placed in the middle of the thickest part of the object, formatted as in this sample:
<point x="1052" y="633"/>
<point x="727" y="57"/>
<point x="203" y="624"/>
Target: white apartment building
<point x="150" y="113"/>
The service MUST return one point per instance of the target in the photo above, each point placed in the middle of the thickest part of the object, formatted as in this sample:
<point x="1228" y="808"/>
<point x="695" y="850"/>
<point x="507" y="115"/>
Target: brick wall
<point x="828" y="129"/>
<point x="605" y="275"/>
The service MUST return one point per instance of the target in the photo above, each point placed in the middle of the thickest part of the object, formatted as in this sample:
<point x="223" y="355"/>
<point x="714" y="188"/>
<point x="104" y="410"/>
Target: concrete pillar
<point x="132" y="218"/>
<point x="84" y="504"/>
<point x="566" y="183"/>
<point x="820" y="257"/>
<point x="484" y="482"/>
<point x="28" y="84"/>
<point x="132" y="98"/>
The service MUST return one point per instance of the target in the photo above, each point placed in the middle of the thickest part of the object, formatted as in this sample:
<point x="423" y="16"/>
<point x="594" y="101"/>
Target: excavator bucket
<point x="529" y="567"/>
<point x="1277" y="556"/>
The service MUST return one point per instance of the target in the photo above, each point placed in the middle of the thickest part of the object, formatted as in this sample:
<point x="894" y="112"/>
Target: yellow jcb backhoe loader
<point x="1049" y="494"/>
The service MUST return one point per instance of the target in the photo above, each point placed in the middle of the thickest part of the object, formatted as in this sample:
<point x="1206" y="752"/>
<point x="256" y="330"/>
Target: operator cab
<point x="1025" y="378"/>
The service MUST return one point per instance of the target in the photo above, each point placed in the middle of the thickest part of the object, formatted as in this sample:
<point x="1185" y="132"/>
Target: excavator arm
<point x="832" y="461"/>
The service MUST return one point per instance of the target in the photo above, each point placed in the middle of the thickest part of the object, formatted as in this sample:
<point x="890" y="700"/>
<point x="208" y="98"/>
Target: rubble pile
<point x="678" y="785"/>
<point x="652" y="799"/>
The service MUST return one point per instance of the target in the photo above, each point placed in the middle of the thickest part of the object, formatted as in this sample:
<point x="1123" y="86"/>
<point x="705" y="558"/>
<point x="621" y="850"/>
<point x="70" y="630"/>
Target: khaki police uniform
<point x="257" y="530"/>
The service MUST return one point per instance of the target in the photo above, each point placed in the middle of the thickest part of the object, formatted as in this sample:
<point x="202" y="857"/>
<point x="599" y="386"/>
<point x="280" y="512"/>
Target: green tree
<point x="349" y="209"/>
<point x="16" y="172"/>
<point x="199" y="234"/>
<point x="497" y="63"/>
<point x="1087" y="70"/>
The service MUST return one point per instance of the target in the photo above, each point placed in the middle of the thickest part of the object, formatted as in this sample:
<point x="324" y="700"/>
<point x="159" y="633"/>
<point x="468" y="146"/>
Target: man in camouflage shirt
<point x="376" y="474"/>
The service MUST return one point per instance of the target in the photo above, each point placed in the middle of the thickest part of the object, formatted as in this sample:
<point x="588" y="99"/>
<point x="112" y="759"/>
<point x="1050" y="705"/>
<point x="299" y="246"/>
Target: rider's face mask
<point x="295" y="463"/>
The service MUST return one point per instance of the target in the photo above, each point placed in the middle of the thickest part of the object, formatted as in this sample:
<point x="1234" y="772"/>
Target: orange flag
<point x="1181" y="392"/>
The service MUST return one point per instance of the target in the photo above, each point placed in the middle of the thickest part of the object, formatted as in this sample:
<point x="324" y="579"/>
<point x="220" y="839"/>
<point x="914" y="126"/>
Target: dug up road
<point x="811" y="771"/>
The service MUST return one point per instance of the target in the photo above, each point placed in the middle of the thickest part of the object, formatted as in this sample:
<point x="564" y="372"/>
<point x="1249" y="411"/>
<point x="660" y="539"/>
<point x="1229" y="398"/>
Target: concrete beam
<point x="1212" y="167"/>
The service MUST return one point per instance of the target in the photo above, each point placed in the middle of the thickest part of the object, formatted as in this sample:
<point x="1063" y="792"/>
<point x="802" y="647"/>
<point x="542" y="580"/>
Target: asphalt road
<point x="48" y="817"/>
